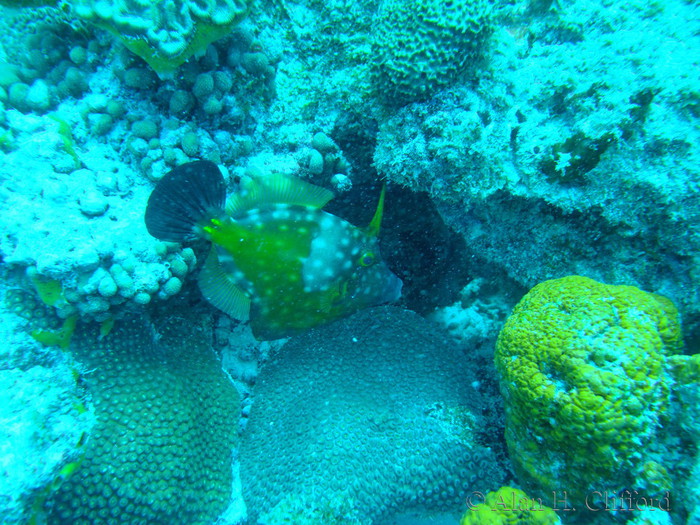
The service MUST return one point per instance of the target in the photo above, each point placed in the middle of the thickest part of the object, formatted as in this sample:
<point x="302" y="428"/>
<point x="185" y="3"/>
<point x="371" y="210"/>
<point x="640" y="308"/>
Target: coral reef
<point x="102" y="258"/>
<point x="587" y="371"/>
<point x="529" y="140"/>
<point x="575" y="152"/>
<point x="164" y="34"/>
<point x="475" y="319"/>
<point x="375" y="431"/>
<point x="424" y="45"/>
<point x="43" y="414"/>
<point x="166" y="425"/>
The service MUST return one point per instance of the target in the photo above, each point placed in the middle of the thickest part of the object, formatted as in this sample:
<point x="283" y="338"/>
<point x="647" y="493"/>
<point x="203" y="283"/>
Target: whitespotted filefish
<point x="276" y="259"/>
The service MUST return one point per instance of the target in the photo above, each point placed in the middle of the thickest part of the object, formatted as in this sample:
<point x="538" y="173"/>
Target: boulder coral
<point x="586" y="374"/>
<point x="358" y="420"/>
<point x="161" y="449"/>
<point x="424" y="45"/>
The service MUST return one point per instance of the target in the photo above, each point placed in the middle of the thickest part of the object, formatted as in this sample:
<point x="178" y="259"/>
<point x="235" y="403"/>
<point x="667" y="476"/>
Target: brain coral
<point x="359" y="419"/>
<point x="161" y="449"/>
<point x="164" y="33"/>
<point x="423" y="45"/>
<point x="583" y="369"/>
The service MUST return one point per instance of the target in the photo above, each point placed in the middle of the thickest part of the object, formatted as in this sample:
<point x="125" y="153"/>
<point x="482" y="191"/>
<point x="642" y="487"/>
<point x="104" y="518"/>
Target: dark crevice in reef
<point x="430" y="258"/>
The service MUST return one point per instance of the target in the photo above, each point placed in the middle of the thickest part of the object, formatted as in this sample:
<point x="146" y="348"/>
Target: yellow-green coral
<point x="66" y="134"/>
<point x="50" y="290"/>
<point x="60" y="337"/>
<point x="583" y="371"/>
<point x="509" y="506"/>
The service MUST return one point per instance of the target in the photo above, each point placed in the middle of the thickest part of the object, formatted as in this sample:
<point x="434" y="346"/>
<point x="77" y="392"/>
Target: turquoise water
<point x="525" y="173"/>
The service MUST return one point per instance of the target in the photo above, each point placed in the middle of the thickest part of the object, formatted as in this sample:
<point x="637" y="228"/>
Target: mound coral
<point x="363" y="418"/>
<point x="161" y="449"/>
<point x="584" y="371"/>
<point x="424" y="45"/>
<point x="163" y="33"/>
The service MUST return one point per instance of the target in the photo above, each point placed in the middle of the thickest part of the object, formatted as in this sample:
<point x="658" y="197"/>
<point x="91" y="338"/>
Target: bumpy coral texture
<point x="164" y="33"/>
<point x="424" y="45"/>
<point x="361" y="418"/>
<point x="583" y="371"/>
<point x="508" y="506"/>
<point x="161" y="449"/>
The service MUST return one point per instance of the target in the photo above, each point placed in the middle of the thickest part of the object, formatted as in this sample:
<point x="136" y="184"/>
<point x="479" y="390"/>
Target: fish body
<point x="277" y="259"/>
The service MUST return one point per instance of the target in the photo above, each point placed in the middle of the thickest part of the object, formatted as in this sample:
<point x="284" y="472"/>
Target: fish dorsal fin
<point x="277" y="189"/>
<point x="220" y="291"/>
<point x="376" y="222"/>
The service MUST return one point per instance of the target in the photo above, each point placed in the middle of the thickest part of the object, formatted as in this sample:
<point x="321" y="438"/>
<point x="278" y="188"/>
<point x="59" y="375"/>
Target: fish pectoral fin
<point x="220" y="291"/>
<point x="331" y="297"/>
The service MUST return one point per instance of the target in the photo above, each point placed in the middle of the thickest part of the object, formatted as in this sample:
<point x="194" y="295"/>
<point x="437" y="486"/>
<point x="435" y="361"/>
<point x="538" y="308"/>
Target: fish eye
<point x="367" y="259"/>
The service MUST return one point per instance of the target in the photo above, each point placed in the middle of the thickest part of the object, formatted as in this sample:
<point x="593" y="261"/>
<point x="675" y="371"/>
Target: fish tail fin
<point x="186" y="197"/>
